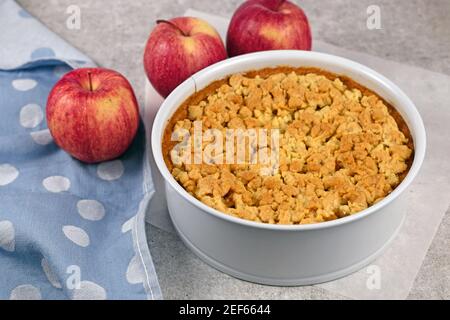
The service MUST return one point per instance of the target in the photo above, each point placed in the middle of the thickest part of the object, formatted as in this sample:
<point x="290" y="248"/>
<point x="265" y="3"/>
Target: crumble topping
<point x="340" y="151"/>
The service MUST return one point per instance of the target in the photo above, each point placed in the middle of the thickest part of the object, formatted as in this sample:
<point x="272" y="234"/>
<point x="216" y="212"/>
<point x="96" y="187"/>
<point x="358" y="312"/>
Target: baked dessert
<point x="341" y="148"/>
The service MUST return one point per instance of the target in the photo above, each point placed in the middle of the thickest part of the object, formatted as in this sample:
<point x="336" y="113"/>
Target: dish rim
<point x="415" y="125"/>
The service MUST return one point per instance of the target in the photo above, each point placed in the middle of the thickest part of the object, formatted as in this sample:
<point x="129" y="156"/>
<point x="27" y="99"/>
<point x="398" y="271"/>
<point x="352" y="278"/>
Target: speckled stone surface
<point x="114" y="32"/>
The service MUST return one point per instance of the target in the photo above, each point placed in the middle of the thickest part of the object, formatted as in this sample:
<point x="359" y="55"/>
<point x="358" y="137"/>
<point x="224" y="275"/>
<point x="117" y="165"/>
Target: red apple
<point x="92" y="114"/>
<point x="177" y="49"/>
<point x="259" y="25"/>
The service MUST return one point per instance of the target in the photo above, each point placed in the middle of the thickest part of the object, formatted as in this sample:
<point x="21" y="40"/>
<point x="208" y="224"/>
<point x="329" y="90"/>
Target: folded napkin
<point x="67" y="230"/>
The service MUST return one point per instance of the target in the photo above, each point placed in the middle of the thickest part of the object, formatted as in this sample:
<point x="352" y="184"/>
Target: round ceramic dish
<point x="287" y="254"/>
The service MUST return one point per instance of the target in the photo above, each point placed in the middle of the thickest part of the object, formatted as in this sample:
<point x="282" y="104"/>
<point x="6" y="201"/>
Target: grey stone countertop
<point x="113" y="33"/>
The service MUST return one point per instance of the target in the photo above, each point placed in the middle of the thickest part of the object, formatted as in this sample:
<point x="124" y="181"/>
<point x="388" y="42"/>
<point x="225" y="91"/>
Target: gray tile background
<point x="113" y="33"/>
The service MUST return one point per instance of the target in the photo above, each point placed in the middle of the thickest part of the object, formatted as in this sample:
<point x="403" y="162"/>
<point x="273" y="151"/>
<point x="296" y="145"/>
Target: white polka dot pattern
<point x="25" y="292"/>
<point x="135" y="272"/>
<point x="89" y="291"/>
<point x="31" y="116"/>
<point x="81" y="202"/>
<point x="24" y="84"/>
<point x="8" y="174"/>
<point x="56" y="184"/>
<point x="111" y="170"/>
<point x="51" y="276"/>
<point x="128" y="225"/>
<point x="91" y="210"/>
<point x="42" y="137"/>
<point x="76" y="235"/>
<point x="7" y="236"/>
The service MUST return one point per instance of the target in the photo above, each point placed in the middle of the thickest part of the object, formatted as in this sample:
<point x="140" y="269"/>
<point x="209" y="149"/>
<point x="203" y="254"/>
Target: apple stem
<point x="174" y="26"/>
<point x="90" y="81"/>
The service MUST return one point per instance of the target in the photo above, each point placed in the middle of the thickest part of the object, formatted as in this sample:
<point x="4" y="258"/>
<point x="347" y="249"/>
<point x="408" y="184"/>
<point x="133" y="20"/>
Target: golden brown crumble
<point x="341" y="150"/>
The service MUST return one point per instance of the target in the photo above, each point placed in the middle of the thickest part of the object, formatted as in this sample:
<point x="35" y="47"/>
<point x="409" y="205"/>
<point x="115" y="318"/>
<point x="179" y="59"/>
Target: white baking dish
<point x="282" y="254"/>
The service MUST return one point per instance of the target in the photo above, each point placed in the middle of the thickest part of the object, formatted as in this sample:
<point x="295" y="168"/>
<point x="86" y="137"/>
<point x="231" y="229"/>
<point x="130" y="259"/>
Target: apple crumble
<point x="341" y="148"/>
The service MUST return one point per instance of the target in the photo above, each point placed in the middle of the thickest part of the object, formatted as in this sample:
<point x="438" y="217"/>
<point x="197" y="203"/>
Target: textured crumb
<point x="340" y="150"/>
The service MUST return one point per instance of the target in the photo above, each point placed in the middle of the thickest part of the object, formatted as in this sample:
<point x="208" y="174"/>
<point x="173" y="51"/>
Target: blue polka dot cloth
<point x="68" y="230"/>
